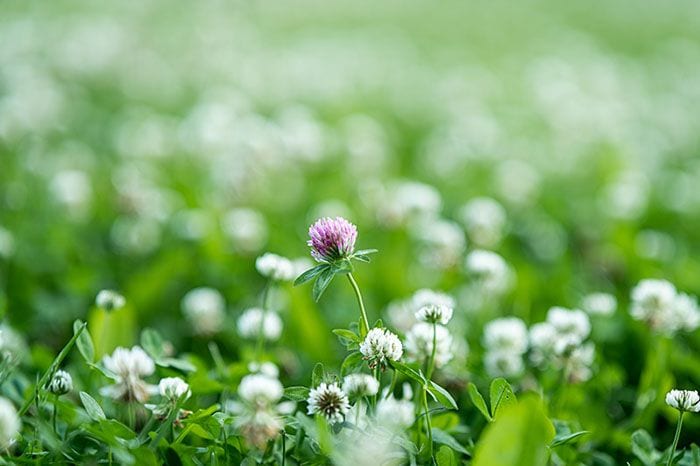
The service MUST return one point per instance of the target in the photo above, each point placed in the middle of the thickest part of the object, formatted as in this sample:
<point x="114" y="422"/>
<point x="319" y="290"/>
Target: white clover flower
<point x="401" y="314"/>
<point x="174" y="388"/>
<point x="419" y="343"/>
<point x="434" y="313"/>
<point x="10" y="423"/>
<point x="380" y="346"/>
<point x="686" y="312"/>
<point x="603" y="304"/>
<point x="249" y="324"/>
<point x="396" y="415"/>
<point x="110" y="300"/>
<point x="61" y="383"/>
<point x="442" y="242"/>
<point x="503" y="363"/>
<point x="426" y="297"/>
<point x="577" y="366"/>
<point x="684" y="400"/>
<point x="651" y="299"/>
<point x="484" y="219"/>
<point x="266" y="368"/>
<point x="260" y="389"/>
<point x="508" y="334"/>
<point x="489" y="269"/>
<point x="543" y="338"/>
<point x="246" y="228"/>
<point x="72" y="189"/>
<point x="358" y="385"/>
<point x="127" y="367"/>
<point x="205" y="310"/>
<point x="275" y="267"/>
<point x="570" y="322"/>
<point x="329" y="401"/>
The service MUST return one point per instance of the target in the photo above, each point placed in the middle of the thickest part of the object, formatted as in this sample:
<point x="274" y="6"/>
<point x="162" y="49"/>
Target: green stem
<point x="260" y="347"/>
<point x="394" y="378"/>
<point x="375" y="373"/>
<point x="675" y="439"/>
<point x="428" y="424"/>
<point x="431" y="361"/>
<point x="363" y="314"/>
<point x="284" y="447"/>
<point x="53" y="421"/>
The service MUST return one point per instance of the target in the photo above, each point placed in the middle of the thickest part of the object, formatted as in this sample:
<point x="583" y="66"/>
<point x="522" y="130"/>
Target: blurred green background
<point x="153" y="147"/>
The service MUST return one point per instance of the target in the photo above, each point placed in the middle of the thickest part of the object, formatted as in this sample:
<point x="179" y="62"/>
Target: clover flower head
<point x="174" y="388"/>
<point x="250" y="321"/>
<point x="275" y="267"/>
<point x="684" y="400"/>
<point x="10" y="423"/>
<point x="489" y="269"/>
<point x="260" y="389"/>
<point x="109" y="300"/>
<point x="329" y="401"/>
<point x="332" y="239"/>
<point x="419" y="343"/>
<point x="507" y="334"/>
<point x="434" y="313"/>
<point x="503" y="364"/>
<point x="571" y="322"/>
<point x="205" y="310"/>
<point x="380" y="346"/>
<point x="61" y="383"/>
<point x="127" y="367"/>
<point x="358" y="385"/>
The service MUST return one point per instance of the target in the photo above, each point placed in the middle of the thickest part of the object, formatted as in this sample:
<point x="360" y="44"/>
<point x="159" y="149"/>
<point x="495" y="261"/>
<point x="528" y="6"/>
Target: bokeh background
<point x="153" y="147"/>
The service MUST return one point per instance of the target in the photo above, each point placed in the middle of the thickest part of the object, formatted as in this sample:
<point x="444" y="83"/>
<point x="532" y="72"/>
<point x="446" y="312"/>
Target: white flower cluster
<point x="402" y="313"/>
<point x="205" y="310"/>
<point x="109" y="300"/>
<point x="684" y="400"/>
<point x="381" y="346"/>
<point x="275" y="267"/>
<point x="174" y="389"/>
<point x="559" y="342"/>
<point x="394" y="414"/>
<point x="358" y="385"/>
<point x="251" y="322"/>
<point x="127" y="367"/>
<point x="489" y="270"/>
<point x="602" y="304"/>
<point x="435" y="313"/>
<point x="330" y="401"/>
<point x="419" y="343"/>
<point x="10" y="423"/>
<point x="441" y="242"/>
<point x="258" y="414"/>
<point x="505" y="342"/>
<point x="484" y="220"/>
<point x="663" y="308"/>
<point x="61" y="383"/>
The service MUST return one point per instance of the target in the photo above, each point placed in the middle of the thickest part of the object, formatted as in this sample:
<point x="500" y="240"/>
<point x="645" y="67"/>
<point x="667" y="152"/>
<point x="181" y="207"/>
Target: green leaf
<point x="441" y="395"/>
<point x="296" y="393"/>
<point x="322" y="282"/>
<point x="84" y="342"/>
<point x="445" y="457"/>
<point x="317" y="375"/>
<point x="310" y="274"/>
<point x="352" y="362"/>
<point x="501" y="395"/>
<point x="443" y="438"/>
<point x="562" y="439"/>
<point x="152" y="343"/>
<point x="94" y="410"/>
<point x="179" y="364"/>
<point x="643" y="448"/>
<point x="408" y="372"/>
<point x="343" y="333"/>
<point x="520" y="435"/>
<point x="478" y="401"/>
<point x="365" y="252"/>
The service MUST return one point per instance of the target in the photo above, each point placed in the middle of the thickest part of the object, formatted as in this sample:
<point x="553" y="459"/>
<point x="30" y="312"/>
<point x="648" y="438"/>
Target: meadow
<point x="350" y="233"/>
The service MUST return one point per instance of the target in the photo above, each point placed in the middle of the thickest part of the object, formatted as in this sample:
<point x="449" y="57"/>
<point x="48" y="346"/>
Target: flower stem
<point x="675" y="439"/>
<point x="428" y="424"/>
<point x="431" y="361"/>
<point x="260" y="347"/>
<point x="363" y="314"/>
<point x="53" y="422"/>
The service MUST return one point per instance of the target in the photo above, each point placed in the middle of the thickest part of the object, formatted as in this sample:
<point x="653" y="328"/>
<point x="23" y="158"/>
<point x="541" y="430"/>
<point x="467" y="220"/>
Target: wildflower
<point x="489" y="269"/>
<point x="275" y="267"/>
<point x="484" y="219"/>
<point x="174" y="388"/>
<point x="359" y="385"/>
<point x="426" y="297"/>
<point x="61" y="383"/>
<point x="603" y="304"/>
<point x="10" y="423"/>
<point x="508" y="334"/>
<point x="652" y="302"/>
<point x="396" y="414"/>
<point x="204" y="309"/>
<point x="266" y="368"/>
<point x="109" y="300"/>
<point x="686" y="312"/>
<point x="329" y="401"/>
<point x="434" y="313"/>
<point x="419" y="343"/>
<point x="380" y="346"/>
<point x="574" y="323"/>
<point x="503" y="364"/>
<point x="258" y="414"/>
<point x="127" y="367"/>
<point x="577" y="365"/>
<point x="332" y="239"/>
<point x="249" y="324"/>
<point x="442" y="242"/>
<point x="542" y="337"/>
<point x="684" y="400"/>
